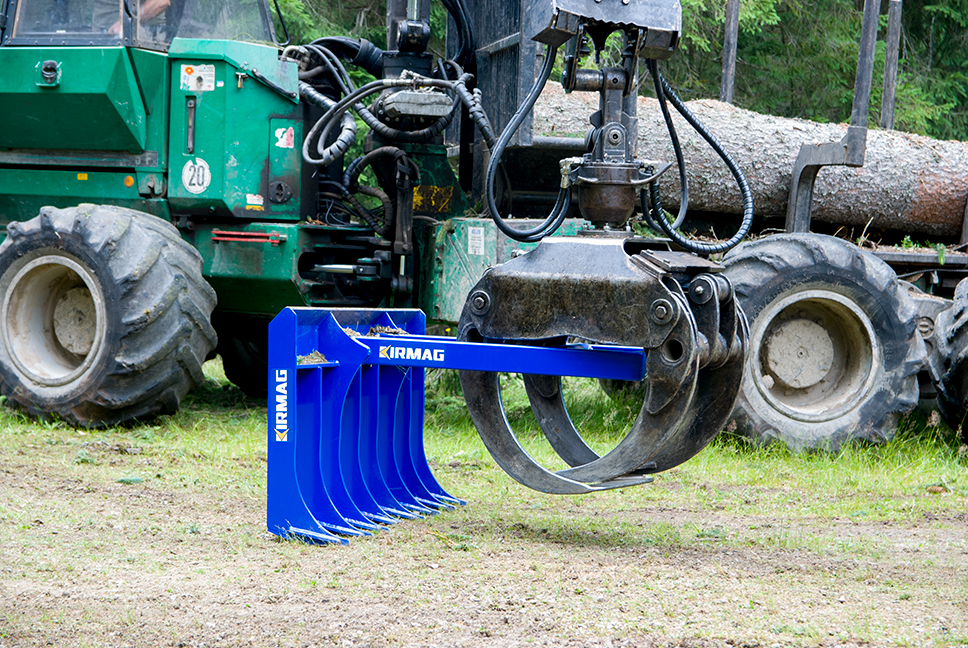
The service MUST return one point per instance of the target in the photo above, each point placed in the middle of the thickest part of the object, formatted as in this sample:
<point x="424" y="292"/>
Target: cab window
<point x="67" y="21"/>
<point x="144" y="23"/>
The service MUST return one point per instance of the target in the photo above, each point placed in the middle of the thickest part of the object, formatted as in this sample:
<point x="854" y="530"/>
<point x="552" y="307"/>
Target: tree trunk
<point x="909" y="183"/>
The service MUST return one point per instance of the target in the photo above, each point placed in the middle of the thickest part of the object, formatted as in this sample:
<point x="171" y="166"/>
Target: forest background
<point x="795" y="58"/>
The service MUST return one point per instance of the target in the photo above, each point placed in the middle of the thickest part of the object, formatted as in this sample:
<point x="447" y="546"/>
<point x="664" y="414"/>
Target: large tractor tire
<point x="953" y="387"/>
<point x="834" y="346"/>
<point x="104" y="316"/>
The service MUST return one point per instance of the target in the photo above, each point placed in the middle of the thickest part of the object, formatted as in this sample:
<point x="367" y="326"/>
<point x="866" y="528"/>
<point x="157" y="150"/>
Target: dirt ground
<point x="88" y="561"/>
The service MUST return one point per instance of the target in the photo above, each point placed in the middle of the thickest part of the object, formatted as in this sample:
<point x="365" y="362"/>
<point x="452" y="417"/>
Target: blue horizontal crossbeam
<point x="585" y="361"/>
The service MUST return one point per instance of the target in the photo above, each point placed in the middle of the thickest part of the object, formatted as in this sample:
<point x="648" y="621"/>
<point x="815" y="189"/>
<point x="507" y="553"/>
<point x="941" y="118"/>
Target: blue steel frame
<point x="345" y="425"/>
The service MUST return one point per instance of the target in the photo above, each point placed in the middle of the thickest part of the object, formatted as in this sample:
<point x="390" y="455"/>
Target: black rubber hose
<point x="475" y="108"/>
<point x="361" y="53"/>
<point x="554" y="219"/>
<point x="384" y="226"/>
<point x="465" y="33"/>
<point x="346" y="138"/>
<point x="351" y="183"/>
<point x="338" y="108"/>
<point x="664" y="90"/>
<point x="652" y="206"/>
<point x="397" y="135"/>
<point x="677" y="149"/>
<point x="332" y="62"/>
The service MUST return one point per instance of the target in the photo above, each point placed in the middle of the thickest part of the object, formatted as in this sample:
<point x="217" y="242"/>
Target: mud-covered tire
<point x="834" y="347"/>
<point x="953" y="386"/>
<point x="104" y="316"/>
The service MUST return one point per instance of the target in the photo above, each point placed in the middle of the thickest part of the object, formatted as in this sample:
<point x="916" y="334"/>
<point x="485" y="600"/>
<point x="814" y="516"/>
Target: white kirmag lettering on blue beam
<point x="411" y="353"/>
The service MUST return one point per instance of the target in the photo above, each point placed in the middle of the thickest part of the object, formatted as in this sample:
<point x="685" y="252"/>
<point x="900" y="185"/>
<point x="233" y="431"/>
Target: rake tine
<point x="391" y="384"/>
<point x="351" y="441"/>
<point x="417" y="453"/>
<point x="298" y="502"/>
<point x="370" y="413"/>
<point x="334" y="391"/>
<point x="402" y="443"/>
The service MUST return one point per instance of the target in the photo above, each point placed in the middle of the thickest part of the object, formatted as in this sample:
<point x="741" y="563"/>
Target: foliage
<point x="936" y="62"/>
<point x="308" y="20"/>
<point x="798" y="59"/>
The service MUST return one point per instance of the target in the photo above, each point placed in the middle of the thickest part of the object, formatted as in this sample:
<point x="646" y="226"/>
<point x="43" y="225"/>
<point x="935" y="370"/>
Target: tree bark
<point x="909" y="183"/>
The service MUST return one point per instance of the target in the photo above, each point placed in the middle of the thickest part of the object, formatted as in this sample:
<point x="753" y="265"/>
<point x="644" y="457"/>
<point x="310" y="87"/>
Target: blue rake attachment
<point x="346" y="407"/>
<point x="346" y="454"/>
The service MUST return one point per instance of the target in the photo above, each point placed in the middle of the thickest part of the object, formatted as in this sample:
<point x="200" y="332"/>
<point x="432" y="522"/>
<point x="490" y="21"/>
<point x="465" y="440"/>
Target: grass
<point x="218" y="441"/>
<point x="640" y="560"/>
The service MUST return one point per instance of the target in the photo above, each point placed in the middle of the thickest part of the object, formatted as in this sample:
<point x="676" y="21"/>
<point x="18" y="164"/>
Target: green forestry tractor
<point x="151" y="157"/>
<point x="171" y="177"/>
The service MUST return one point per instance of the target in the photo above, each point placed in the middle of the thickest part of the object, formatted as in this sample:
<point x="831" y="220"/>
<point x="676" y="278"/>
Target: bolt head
<point x="480" y="301"/>
<point x="661" y="311"/>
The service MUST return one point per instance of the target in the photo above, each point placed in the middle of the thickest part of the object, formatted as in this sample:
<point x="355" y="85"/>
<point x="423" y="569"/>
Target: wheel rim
<point x="53" y="317"/>
<point x="815" y="355"/>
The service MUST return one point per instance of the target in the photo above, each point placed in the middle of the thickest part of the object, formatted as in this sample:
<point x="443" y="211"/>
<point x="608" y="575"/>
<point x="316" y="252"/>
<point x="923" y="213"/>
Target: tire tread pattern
<point x="953" y="386"/>
<point x="165" y="309"/>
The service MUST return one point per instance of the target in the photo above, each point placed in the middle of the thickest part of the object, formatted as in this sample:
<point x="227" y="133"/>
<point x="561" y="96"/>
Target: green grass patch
<point x="922" y="469"/>
<point x="715" y="547"/>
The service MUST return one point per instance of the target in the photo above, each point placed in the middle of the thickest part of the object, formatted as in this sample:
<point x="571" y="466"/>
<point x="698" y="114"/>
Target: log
<point x="909" y="183"/>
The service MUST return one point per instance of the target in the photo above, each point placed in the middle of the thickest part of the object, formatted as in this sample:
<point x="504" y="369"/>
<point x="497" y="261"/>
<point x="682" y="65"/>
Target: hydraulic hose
<point x="465" y="33"/>
<point x="662" y="91"/>
<point x="334" y="65"/>
<point x="557" y="215"/>
<point x="397" y="135"/>
<point x="361" y="53"/>
<point x="339" y="108"/>
<point x="351" y="184"/>
<point x="346" y="136"/>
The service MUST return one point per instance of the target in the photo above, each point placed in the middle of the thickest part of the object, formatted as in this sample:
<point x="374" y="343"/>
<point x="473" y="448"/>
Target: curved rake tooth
<point x="672" y="387"/>
<point x="648" y="435"/>
<point x="668" y="401"/>
<point x="708" y="414"/>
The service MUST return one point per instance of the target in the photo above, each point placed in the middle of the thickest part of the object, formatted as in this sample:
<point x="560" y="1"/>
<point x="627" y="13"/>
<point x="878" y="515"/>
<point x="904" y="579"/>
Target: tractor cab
<point x="146" y="24"/>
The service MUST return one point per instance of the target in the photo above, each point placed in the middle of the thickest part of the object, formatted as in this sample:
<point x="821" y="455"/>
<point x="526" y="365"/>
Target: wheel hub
<point x="815" y="355"/>
<point x="799" y="353"/>
<point x="75" y="321"/>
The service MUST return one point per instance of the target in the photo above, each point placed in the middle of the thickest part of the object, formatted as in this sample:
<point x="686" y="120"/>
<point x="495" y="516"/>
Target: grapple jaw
<point x="677" y="307"/>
